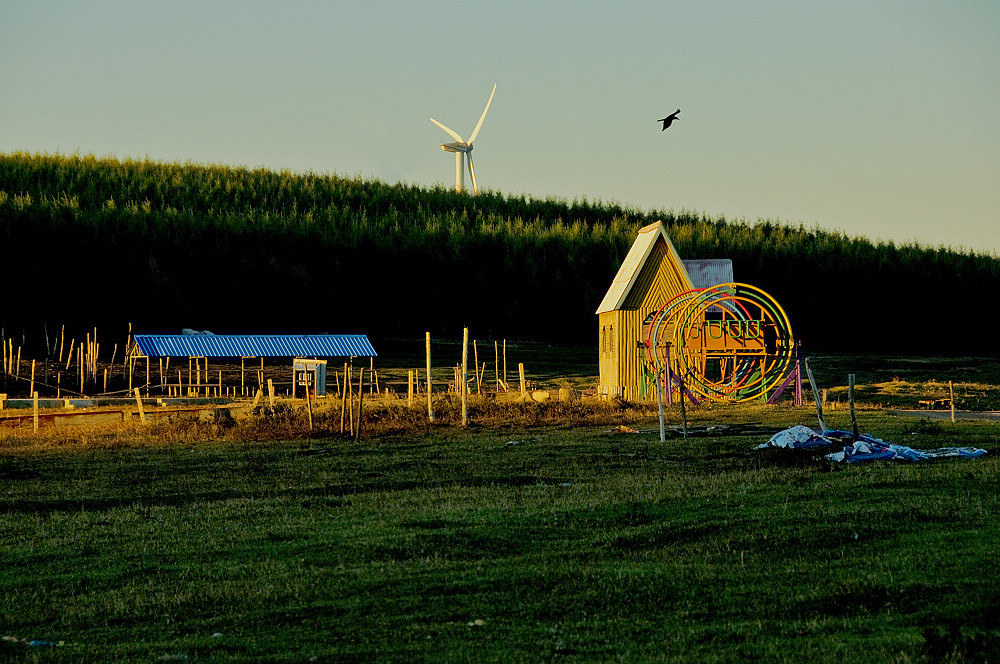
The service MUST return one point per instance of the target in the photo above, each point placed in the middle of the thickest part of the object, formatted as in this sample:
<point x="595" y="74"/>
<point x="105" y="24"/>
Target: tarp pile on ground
<point x="864" y="448"/>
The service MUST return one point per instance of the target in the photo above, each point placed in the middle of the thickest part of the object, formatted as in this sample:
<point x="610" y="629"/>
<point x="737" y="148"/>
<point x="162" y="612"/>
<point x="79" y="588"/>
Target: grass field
<point x="500" y="543"/>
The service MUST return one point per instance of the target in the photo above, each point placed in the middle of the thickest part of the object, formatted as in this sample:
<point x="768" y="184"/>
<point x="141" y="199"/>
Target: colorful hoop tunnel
<point x="750" y="355"/>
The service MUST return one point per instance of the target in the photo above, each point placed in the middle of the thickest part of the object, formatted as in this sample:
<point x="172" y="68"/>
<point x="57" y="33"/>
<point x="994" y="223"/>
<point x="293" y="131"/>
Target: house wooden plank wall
<point x="651" y="274"/>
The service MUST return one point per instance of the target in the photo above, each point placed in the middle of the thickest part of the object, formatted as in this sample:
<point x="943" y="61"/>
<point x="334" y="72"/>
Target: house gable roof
<point x="634" y="261"/>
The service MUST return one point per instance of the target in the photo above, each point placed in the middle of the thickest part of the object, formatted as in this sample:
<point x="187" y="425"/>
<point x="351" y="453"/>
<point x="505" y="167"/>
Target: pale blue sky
<point x="871" y="117"/>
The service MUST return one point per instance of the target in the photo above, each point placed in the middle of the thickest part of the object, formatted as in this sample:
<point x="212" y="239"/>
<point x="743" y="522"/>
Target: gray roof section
<point x="255" y="345"/>
<point x="708" y="272"/>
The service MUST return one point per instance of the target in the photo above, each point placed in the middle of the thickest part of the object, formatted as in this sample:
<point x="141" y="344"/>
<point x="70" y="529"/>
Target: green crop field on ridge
<point x="236" y="249"/>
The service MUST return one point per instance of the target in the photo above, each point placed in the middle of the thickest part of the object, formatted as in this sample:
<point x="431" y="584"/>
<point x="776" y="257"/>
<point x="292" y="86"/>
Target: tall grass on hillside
<point x="184" y="245"/>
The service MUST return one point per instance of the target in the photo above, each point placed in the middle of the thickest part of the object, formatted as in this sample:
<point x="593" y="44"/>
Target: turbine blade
<point x="472" y="173"/>
<point x="448" y="131"/>
<point x="475" y="132"/>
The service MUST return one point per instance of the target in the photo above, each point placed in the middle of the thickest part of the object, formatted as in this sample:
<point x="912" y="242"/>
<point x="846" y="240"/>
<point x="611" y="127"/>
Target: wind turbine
<point x="461" y="148"/>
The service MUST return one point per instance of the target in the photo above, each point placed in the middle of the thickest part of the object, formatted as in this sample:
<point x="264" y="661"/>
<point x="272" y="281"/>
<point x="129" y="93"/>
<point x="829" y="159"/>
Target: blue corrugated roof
<point x="255" y="345"/>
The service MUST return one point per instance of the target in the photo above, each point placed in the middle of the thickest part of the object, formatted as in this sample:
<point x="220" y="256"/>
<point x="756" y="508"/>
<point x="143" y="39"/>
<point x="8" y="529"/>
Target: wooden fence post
<point x="430" y="404"/>
<point x="361" y="401"/>
<point x="850" y="398"/>
<point x="309" y="406"/>
<point x="475" y="366"/>
<point x="343" y="399"/>
<point x="465" y="375"/>
<point x="524" y="387"/>
<point x="951" y="395"/>
<point x="138" y="402"/>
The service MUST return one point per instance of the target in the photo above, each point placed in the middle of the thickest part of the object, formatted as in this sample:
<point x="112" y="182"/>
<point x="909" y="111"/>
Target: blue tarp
<point x="868" y="448"/>
<point x="797" y="437"/>
<point x="865" y="448"/>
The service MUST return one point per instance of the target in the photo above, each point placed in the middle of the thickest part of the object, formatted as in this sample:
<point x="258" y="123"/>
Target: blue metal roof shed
<point x="255" y="345"/>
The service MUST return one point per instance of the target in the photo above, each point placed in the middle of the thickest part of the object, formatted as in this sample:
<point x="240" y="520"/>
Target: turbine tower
<point x="463" y="148"/>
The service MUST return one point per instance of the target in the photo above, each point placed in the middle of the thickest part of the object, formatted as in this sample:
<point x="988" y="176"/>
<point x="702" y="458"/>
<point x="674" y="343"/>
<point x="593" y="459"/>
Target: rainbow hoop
<point x="732" y="342"/>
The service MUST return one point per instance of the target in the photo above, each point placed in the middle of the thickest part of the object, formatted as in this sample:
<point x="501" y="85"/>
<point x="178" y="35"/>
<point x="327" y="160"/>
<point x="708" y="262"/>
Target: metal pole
<point x="659" y="400"/>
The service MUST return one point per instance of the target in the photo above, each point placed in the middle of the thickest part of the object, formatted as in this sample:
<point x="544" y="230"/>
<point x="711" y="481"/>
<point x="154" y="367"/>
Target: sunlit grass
<point x="525" y="542"/>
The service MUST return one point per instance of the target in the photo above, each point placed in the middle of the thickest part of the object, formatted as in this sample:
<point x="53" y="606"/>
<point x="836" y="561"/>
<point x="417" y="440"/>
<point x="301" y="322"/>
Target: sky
<point x="868" y="117"/>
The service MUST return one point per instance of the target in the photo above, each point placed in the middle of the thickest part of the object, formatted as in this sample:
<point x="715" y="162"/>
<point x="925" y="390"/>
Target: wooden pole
<point x="505" y="383"/>
<point x="34" y="408"/>
<point x="138" y="402"/>
<point x="361" y="400"/>
<point x="309" y="406"/>
<point x="31" y="384"/>
<point x="496" y="363"/>
<point x="524" y="387"/>
<point x="475" y="365"/>
<point x="816" y="395"/>
<point x="62" y="340"/>
<point x="343" y="399"/>
<point x="270" y="393"/>
<point x="350" y="401"/>
<point x="430" y="405"/>
<point x="951" y="392"/>
<point x="409" y="388"/>
<point x="850" y="398"/>
<point x="465" y="369"/>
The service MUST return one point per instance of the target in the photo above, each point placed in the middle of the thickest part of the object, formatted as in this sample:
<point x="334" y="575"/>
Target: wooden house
<point x="650" y="275"/>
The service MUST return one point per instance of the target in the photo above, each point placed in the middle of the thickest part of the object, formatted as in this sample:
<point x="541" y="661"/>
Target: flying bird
<point x="669" y="119"/>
